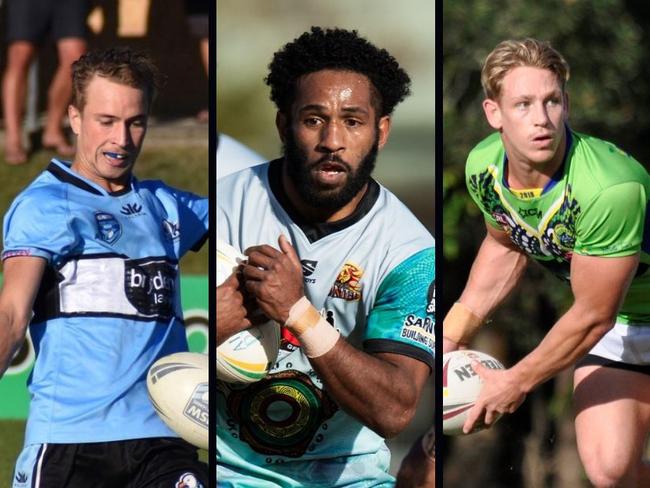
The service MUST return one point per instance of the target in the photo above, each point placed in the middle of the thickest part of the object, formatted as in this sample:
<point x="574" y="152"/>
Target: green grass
<point x="10" y="446"/>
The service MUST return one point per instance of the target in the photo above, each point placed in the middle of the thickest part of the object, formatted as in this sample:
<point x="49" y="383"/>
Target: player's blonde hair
<point x="512" y="54"/>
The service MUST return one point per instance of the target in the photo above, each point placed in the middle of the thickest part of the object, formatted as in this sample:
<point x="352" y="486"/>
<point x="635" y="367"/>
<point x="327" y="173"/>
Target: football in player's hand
<point x="247" y="356"/>
<point x="461" y="387"/>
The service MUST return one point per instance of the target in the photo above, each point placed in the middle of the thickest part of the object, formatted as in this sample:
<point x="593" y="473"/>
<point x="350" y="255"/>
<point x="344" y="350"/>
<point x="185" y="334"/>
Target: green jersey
<point x="595" y="205"/>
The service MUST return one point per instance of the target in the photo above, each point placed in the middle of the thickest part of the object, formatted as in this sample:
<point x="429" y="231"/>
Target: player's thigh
<point x="169" y="463"/>
<point x="612" y="415"/>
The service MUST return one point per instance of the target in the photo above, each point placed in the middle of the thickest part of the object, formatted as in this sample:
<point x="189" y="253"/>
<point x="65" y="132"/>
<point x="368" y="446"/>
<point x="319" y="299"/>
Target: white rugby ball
<point x="178" y="389"/>
<point x="461" y="387"/>
<point x="247" y="356"/>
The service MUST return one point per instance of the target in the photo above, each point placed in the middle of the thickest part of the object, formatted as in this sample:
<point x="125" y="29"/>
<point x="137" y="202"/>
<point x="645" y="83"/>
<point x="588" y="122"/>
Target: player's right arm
<point x="496" y="270"/>
<point x="21" y="280"/>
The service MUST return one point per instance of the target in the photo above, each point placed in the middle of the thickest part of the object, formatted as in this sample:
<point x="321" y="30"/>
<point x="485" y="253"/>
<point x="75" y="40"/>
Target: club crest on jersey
<point x="197" y="408"/>
<point x="348" y="283"/>
<point x="188" y="480"/>
<point x="108" y="226"/>
<point x="171" y="229"/>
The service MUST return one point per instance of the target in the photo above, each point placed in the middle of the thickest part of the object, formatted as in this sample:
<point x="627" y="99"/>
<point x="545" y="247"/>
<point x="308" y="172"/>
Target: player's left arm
<point x="599" y="284"/>
<point x="381" y="389"/>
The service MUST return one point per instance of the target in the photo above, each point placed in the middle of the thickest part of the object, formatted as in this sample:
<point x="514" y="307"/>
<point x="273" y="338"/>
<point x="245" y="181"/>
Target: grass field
<point x="10" y="446"/>
<point x="180" y="164"/>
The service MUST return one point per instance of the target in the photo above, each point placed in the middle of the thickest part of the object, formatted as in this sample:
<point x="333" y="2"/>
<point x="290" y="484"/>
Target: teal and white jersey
<point x="109" y="301"/>
<point x="372" y="277"/>
<point x="596" y="205"/>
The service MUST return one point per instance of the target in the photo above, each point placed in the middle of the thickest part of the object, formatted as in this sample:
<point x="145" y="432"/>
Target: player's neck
<point x="315" y="214"/>
<point x="524" y="174"/>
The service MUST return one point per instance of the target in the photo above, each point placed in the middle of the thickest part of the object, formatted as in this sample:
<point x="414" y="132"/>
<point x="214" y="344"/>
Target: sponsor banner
<point x="13" y="385"/>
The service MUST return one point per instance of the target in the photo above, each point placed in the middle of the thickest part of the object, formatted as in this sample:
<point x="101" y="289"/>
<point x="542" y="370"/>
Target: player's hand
<point x="501" y="393"/>
<point x="274" y="278"/>
<point x="449" y="345"/>
<point x="232" y="315"/>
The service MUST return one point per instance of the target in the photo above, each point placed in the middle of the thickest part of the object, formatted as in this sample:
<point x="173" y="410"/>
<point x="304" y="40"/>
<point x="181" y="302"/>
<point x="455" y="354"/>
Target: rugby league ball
<point x="461" y="387"/>
<point x="178" y="389"/>
<point x="247" y="356"/>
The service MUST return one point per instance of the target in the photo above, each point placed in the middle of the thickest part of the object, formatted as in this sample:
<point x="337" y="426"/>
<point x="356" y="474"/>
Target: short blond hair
<point x="512" y="54"/>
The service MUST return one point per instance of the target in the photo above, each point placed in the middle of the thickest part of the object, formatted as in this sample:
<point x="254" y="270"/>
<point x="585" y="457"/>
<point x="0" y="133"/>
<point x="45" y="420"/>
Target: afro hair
<point x="337" y="49"/>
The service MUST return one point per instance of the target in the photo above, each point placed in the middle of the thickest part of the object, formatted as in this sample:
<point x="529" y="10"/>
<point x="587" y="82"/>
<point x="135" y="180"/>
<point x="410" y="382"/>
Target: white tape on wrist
<point x="315" y="334"/>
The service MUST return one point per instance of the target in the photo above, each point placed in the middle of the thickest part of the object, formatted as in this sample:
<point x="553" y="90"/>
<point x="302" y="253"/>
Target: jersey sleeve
<point x="613" y="222"/>
<point x="36" y="224"/>
<point x="194" y="213"/>
<point x="403" y="317"/>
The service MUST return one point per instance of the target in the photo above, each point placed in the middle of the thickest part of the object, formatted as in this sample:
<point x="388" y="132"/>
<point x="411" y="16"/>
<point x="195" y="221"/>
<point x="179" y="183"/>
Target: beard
<point x="320" y="196"/>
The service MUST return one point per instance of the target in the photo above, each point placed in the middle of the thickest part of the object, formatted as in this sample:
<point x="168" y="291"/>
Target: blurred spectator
<point x="198" y="12"/>
<point x="28" y="23"/>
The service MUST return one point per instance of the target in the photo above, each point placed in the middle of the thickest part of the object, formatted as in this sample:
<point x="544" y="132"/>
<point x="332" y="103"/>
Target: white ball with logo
<point x="247" y="356"/>
<point x="178" y="388"/>
<point x="461" y="387"/>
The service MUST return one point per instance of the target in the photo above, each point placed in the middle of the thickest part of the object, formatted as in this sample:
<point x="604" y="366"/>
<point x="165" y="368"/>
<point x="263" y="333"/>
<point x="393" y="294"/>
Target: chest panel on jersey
<point x="542" y="227"/>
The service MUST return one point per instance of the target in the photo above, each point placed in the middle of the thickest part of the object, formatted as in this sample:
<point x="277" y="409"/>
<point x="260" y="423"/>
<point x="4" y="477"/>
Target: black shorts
<point x="32" y="20"/>
<point x="137" y="463"/>
<point x="593" y="360"/>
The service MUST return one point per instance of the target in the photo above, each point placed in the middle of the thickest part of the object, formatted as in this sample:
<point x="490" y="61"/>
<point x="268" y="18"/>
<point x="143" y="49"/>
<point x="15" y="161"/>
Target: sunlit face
<point x="110" y="131"/>
<point x="530" y="114"/>
<point x="332" y="137"/>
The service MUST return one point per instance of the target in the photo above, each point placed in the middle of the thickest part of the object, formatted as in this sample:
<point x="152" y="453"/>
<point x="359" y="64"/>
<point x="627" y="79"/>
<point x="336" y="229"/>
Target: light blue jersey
<point x="372" y="277"/>
<point x="109" y="301"/>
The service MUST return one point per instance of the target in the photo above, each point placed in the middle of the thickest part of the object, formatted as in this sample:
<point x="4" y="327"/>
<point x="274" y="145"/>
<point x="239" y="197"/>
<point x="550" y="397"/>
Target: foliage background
<point x="606" y="44"/>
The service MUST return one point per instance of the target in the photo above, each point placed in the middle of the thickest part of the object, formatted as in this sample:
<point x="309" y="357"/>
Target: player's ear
<point x="74" y="114"/>
<point x="281" y="122"/>
<point x="383" y="126"/>
<point x="492" y="113"/>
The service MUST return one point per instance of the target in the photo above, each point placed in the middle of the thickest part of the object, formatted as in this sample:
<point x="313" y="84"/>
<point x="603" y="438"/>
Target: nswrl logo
<point x="109" y="229"/>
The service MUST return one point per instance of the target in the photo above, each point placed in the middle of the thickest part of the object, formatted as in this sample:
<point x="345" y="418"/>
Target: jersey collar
<point x="317" y="230"/>
<point x="63" y="172"/>
<point x="557" y="176"/>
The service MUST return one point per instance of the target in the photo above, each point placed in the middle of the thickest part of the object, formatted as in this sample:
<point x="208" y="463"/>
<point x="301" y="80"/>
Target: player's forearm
<point x="13" y="335"/>
<point x="494" y="274"/>
<point x="371" y="389"/>
<point x="572" y="336"/>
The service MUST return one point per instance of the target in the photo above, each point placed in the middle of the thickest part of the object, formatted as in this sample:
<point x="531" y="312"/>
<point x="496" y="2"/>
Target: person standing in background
<point x="28" y="23"/>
